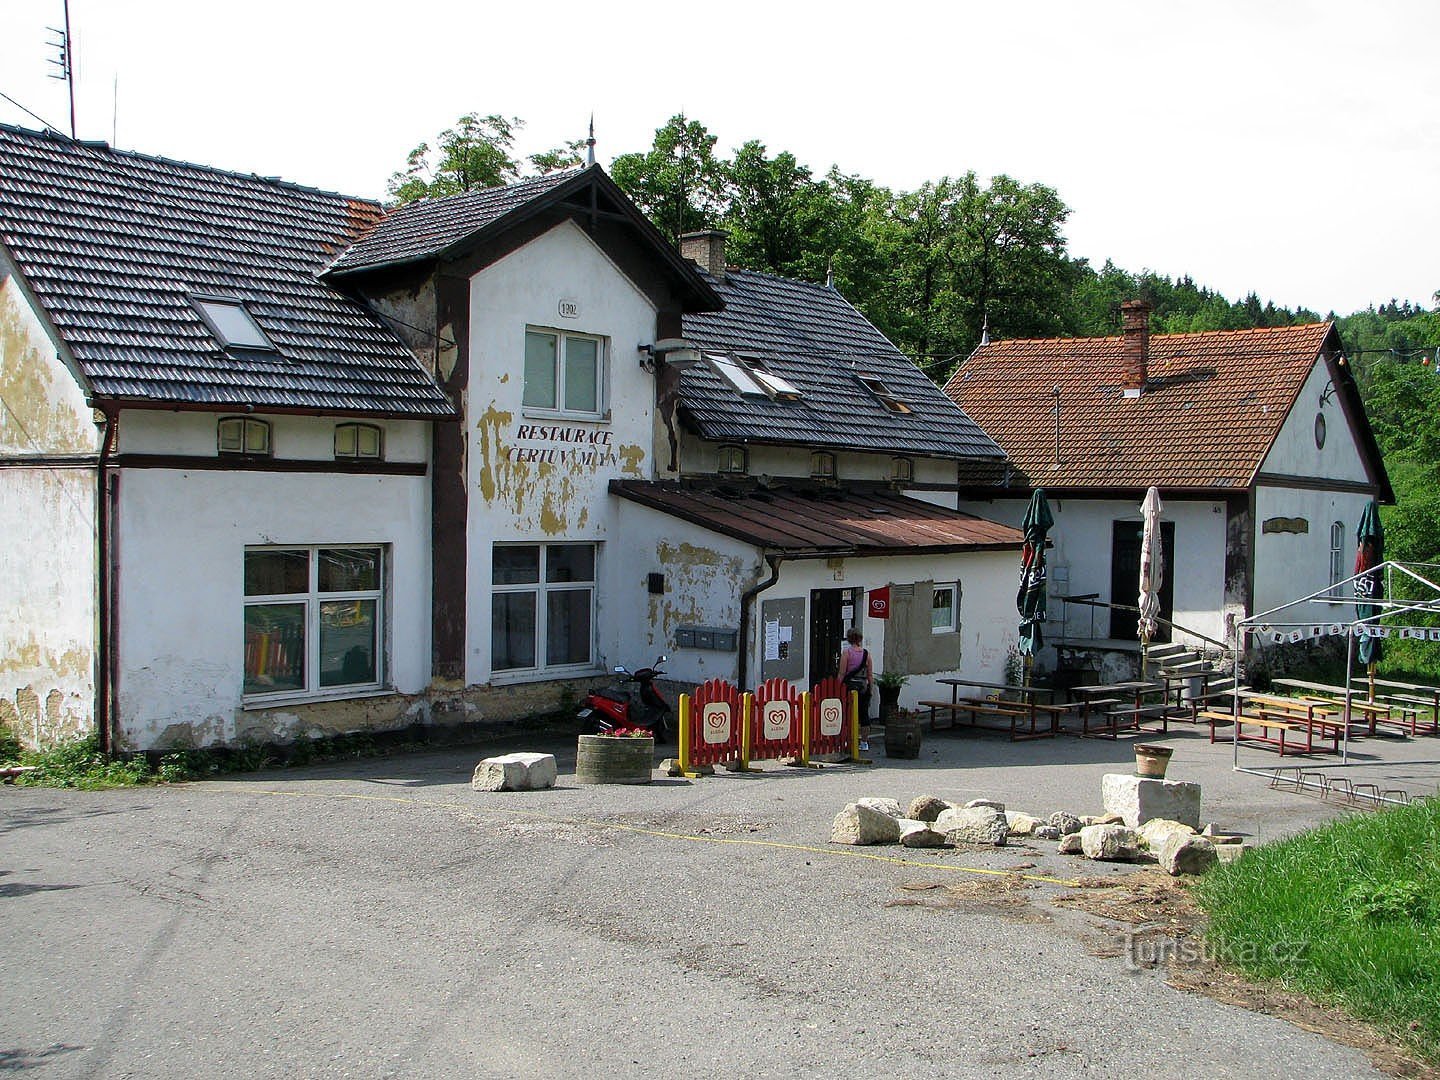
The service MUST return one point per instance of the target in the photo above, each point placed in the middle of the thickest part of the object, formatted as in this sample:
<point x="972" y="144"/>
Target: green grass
<point x="1348" y="914"/>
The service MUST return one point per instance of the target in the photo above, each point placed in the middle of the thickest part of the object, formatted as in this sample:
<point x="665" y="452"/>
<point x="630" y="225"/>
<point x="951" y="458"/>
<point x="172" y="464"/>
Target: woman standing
<point x="857" y="671"/>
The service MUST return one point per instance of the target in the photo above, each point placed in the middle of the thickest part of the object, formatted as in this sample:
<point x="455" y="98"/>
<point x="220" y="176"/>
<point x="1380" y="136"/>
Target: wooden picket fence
<point x="720" y="723"/>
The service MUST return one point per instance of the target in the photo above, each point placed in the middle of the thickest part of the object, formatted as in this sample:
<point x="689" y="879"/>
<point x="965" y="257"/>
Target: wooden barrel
<point x="604" y="759"/>
<point x="902" y="736"/>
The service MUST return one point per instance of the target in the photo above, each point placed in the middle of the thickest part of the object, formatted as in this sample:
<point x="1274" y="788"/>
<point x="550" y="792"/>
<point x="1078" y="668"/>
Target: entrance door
<point x="1125" y="579"/>
<point x="832" y="612"/>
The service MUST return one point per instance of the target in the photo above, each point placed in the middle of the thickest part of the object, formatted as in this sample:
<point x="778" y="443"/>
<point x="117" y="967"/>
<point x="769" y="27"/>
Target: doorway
<point x="1125" y="579"/>
<point x="832" y="612"/>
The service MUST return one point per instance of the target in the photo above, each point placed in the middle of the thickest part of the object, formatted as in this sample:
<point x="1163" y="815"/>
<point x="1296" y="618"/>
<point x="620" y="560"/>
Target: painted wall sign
<point x="569" y="309"/>
<point x="1285" y="525"/>
<point x="563" y="443"/>
<point x="880" y="603"/>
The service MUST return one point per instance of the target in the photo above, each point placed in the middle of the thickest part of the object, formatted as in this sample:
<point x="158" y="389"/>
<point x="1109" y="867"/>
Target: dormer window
<point x="244" y="435"/>
<point x="360" y="441"/>
<point x="733" y="461"/>
<point x="231" y="324"/>
<point x="883" y="393"/>
<point x="902" y="469"/>
<point x="822" y="465"/>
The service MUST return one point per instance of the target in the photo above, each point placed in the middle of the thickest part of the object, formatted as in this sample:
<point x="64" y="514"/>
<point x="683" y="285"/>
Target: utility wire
<point x="45" y="123"/>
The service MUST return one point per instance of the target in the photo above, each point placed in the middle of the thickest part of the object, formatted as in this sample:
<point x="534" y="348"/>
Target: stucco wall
<point x="181" y="542"/>
<point x="296" y="437"/>
<point x="47" y="513"/>
<point x="1292" y="564"/>
<point x="700" y="457"/>
<point x="527" y="484"/>
<point x="1295" y="452"/>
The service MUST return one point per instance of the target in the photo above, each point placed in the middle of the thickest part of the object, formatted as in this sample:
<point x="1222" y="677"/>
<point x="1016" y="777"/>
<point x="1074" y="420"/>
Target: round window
<point x="1320" y="431"/>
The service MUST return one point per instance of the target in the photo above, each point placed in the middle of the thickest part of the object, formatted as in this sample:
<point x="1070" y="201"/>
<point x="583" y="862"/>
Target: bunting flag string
<point x="1294" y="634"/>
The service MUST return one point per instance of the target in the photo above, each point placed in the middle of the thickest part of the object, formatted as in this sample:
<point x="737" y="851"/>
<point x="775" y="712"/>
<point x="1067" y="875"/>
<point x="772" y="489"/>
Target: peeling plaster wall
<point x="182" y="537"/>
<point x="47" y="575"/>
<point x="525" y="483"/>
<point x="1083" y="538"/>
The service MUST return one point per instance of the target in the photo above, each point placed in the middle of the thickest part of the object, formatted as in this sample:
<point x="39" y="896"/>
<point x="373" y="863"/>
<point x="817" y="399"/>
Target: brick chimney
<point x="1135" y="317"/>
<point x="707" y="248"/>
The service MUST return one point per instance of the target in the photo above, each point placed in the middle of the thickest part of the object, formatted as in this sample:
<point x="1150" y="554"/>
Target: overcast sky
<point x="1288" y="148"/>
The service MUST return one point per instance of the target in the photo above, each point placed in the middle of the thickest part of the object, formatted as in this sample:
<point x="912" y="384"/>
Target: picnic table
<point x="1375" y="712"/>
<point x="1270" y="717"/>
<point x="998" y="701"/>
<point x="1417" y="694"/>
<point x="1114" y="699"/>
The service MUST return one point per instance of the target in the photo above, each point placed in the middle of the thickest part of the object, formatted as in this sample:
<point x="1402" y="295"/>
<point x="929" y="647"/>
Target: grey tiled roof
<point x="113" y="243"/>
<point x="812" y="337"/>
<point x="424" y="229"/>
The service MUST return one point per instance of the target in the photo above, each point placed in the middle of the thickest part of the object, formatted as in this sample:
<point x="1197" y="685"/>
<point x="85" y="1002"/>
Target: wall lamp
<point x="676" y="352"/>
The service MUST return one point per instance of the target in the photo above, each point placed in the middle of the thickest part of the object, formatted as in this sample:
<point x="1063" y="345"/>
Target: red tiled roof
<point x="1212" y="406"/>
<point x="823" y="522"/>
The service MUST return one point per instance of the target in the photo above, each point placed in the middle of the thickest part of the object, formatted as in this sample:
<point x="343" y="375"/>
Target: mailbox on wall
<point x="782" y="639"/>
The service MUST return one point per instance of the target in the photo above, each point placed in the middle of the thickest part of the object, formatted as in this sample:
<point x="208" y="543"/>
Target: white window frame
<point x="312" y="599"/>
<point x="953" y="588"/>
<point x="230" y="323"/>
<point x="541" y="589"/>
<point x="726" y="463"/>
<point x="602" y="375"/>
<point x="245" y="425"/>
<point x="358" y="430"/>
<point x="1337" y="556"/>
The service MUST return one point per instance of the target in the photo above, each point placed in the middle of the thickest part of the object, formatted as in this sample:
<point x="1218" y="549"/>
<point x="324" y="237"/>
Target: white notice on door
<point x="772" y="639"/>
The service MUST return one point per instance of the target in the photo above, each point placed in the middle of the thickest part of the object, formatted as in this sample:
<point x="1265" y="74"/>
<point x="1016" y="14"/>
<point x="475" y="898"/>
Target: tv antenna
<point x="65" y="61"/>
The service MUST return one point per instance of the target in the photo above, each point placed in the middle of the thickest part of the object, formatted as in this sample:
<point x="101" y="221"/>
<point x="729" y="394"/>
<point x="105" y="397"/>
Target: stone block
<point x="1113" y="843"/>
<point x="858" y="825"/>
<point x="1186" y="853"/>
<point x="515" y="772"/>
<point x="889" y="807"/>
<point x="1138" y="799"/>
<point x="917" y="834"/>
<point x="974" y="825"/>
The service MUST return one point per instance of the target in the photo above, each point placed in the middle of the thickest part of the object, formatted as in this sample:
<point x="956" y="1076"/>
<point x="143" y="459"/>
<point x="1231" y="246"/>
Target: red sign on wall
<point x="880" y="603"/>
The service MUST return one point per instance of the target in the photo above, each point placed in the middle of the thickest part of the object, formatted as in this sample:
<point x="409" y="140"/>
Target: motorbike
<point x="615" y="707"/>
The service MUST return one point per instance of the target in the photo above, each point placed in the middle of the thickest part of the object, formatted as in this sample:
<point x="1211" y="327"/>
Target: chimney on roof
<point x="707" y="249"/>
<point x="1135" y="317"/>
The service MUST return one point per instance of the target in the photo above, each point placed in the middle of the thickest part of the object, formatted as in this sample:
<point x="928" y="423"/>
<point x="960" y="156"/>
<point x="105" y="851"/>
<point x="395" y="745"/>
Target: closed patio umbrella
<point x="1369" y="554"/>
<point x="1152" y="570"/>
<point x="1030" y="600"/>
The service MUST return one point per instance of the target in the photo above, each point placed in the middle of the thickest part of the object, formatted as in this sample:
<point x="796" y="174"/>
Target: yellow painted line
<point x="660" y="833"/>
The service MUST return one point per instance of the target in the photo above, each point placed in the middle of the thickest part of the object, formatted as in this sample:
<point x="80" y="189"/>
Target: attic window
<point x="777" y="388"/>
<point x="822" y="465"/>
<point x="902" y="469"/>
<point x="231" y="323"/>
<point x="883" y="393"/>
<point x="749" y="376"/>
<point x="733" y="461"/>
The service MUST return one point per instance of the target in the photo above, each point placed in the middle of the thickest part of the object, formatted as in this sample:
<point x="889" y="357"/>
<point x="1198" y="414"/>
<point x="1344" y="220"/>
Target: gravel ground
<point x="380" y="919"/>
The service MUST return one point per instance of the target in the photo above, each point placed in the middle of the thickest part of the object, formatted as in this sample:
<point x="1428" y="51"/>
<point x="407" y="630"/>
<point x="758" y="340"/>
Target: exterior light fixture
<point x="675" y="352"/>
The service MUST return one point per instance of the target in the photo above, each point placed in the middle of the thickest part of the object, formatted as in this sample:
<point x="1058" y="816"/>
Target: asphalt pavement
<point x="380" y="919"/>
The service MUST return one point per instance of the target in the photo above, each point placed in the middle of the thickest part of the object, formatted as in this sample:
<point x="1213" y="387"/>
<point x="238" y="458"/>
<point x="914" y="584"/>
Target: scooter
<point x="615" y="707"/>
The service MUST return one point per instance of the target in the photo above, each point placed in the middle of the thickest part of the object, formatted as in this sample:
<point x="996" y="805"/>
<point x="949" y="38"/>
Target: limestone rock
<point x="1021" y="824"/>
<point x="917" y="834"/>
<point x="926" y="808"/>
<point x="1066" y="822"/>
<point x="515" y="772"/>
<point x="671" y="767"/>
<point x="858" y="824"/>
<point x="1112" y="843"/>
<point x="1047" y="832"/>
<point x="1070" y="844"/>
<point x="1154" y="831"/>
<point x="973" y="803"/>
<point x="1228" y="853"/>
<point x="1186" y="853"/>
<point x="885" y="806"/>
<point x="973" y="825"/>
<point x="1138" y="799"/>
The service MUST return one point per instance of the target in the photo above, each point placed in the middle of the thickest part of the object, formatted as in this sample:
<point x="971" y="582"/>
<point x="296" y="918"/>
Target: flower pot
<point x="1152" y="761"/>
<point x="605" y="759"/>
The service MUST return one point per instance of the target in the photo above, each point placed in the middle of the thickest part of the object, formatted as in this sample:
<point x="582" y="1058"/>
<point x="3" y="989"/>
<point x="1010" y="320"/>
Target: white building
<point x="1256" y="439"/>
<point x="293" y="466"/>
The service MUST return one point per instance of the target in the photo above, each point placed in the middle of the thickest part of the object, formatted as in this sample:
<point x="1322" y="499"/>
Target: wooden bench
<point x="1268" y="722"/>
<point x="1411" y="706"/>
<point x="1013" y="711"/>
<point x="1126" y="717"/>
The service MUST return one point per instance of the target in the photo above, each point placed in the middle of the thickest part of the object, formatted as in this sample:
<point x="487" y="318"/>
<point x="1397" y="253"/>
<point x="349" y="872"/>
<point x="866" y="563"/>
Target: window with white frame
<point x="542" y="607"/>
<point x="944" y="602"/>
<point x="363" y="441"/>
<point x="314" y="619"/>
<point x="1337" y="555"/>
<point x="243" y="435"/>
<point x="732" y="460"/>
<point x="564" y="373"/>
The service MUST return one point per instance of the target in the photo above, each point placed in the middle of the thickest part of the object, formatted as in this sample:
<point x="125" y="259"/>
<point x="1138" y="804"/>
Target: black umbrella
<point x="1369" y="554"/>
<point x="1030" y="600"/>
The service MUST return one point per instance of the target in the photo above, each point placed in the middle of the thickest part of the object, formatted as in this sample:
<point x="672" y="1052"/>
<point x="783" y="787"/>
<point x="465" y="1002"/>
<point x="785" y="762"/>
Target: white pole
<point x="1349" y="663"/>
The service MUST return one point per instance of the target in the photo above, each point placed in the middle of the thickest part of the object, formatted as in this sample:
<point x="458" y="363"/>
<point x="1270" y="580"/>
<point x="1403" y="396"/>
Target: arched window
<point x="244" y="435"/>
<point x="822" y="465"/>
<point x="902" y="468"/>
<point x="363" y="441"/>
<point x="1337" y="553"/>
<point x="733" y="461"/>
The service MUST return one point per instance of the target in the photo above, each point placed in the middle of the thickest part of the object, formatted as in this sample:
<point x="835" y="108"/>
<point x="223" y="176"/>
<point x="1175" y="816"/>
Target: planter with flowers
<point x="623" y="755"/>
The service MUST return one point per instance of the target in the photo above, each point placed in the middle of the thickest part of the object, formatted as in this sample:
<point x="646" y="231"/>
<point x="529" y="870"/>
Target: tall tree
<point x="474" y="154"/>
<point x="780" y="218"/>
<point x="678" y="182"/>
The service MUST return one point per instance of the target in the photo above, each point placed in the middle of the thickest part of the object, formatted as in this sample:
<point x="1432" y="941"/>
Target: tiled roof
<point x="1211" y="408"/>
<point x="424" y="229"/>
<point x="112" y="244"/>
<point x="822" y="522"/>
<point x="810" y="336"/>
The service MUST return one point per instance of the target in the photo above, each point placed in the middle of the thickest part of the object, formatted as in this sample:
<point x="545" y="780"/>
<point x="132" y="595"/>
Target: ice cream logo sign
<point x="715" y="722"/>
<point x="777" y="720"/>
<point x="557" y="444"/>
<point x="832" y="716"/>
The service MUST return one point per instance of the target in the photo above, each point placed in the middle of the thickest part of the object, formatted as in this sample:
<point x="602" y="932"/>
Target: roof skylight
<point x="748" y="375"/>
<point x="231" y="324"/>
<point x="886" y="396"/>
